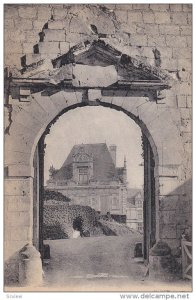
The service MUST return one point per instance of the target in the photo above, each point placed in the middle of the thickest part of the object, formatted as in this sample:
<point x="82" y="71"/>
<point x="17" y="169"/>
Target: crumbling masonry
<point x="54" y="55"/>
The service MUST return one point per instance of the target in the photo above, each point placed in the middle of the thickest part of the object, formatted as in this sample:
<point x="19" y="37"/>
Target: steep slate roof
<point x="103" y="167"/>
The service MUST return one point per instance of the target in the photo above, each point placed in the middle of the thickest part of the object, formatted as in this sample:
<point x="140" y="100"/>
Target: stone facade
<point x="89" y="176"/>
<point x="158" y="38"/>
<point x="134" y="209"/>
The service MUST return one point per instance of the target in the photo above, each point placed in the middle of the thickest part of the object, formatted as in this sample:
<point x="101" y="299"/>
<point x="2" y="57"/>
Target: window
<point x="115" y="202"/>
<point x="139" y="203"/>
<point x="83" y="175"/>
<point x="140" y="226"/>
<point x="139" y="215"/>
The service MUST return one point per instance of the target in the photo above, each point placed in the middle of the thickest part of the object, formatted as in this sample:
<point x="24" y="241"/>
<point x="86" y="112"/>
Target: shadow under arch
<point x="151" y="181"/>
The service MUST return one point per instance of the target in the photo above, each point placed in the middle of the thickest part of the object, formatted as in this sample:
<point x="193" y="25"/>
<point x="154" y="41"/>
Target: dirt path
<point x="93" y="258"/>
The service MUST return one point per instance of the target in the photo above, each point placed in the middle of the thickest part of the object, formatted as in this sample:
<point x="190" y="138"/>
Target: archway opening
<point x="116" y="201"/>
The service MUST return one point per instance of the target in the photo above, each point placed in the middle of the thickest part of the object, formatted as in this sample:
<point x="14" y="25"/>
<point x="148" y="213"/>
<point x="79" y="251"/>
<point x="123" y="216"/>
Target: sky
<point x="90" y="125"/>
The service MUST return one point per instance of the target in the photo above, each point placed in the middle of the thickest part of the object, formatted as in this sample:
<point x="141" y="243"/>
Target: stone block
<point x="185" y="63"/>
<point x="187" y="7"/>
<point x="162" y="18"/>
<point x="189" y="18"/>
<point x="189" y="101"/>
<point x="179" y="18"/>
<point x="168" y="217"/>
<point x="134" y="17"/>
<point x="94" y="94"/>
<point x="8" y="25"/>
<point x="159" y="7"/>
<point x="138" y="40"/>
<point x="169" y="64"/>
<point x="186" y="30"/>
<point x="169" y="29"/>
<point x="185" y="88"/>
<point x="23" y="24"/>
<point x="16" y="35"/>
<point x="49" y="48"/>
<point x="13" y="47"/>
<point x="20" y="142"/>
<point x="44" y="12"/>
<point x="181" y="100"/>
<point x="18" y="218"/>
<point x="28" y="48"/>
<point x="20" y="122"/>
<point x="17" y="187"/>
<point x="32" y="36"/>
<point x="148" y="17"/>
<point x="102" y="76"/>
<point x="38" y="25"/>
<point x="66" y="98"/>
<point x="156" y="40"/>
<point x="182" y="52"/>
<point x="10" y="11"/>
<point x="17" y="203"/>
<point x="77" y="25"/>
<point x="141" y="6"/>
<point x="20" y="233"/>
<point x="186" y="125"/>
<point x="47" y="105"/>
<point x="32" y="58"/>
<point x="168" y="231"/>
<point x="150" y="29"/>
<point x="168" y="170"/>
<point x="121" y="16"/>
<point x="15" y="157"/>
<point x="58" y="24"/>
<point x="189" y="41"/>
<point x="178" y="42"/>
<point x="168" y="202"/>
<point x="59" y="13"/>
<point x="175" y="7"/>
<point x="123" y="7"/>
<point x="187" y="137"/>
<point x="168" y="185"/>
<point x="27" y="12"/>
<point x="75" y="38"/>
<point x="54" y="35"/>
<point x="20" y="170"/>
<point x="64" y="47"/>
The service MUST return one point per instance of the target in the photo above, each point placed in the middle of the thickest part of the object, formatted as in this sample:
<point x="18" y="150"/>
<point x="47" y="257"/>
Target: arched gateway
<point x="90" y="73"/>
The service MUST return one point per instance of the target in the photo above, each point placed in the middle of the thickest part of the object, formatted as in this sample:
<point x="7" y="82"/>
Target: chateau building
<point x="89" y="176"/>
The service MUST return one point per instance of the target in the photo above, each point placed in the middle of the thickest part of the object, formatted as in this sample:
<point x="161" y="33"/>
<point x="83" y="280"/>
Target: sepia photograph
<point x="97" y="147"/>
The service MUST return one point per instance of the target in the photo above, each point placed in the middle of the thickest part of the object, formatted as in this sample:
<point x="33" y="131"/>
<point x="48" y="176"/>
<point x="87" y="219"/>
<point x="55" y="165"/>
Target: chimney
<point x="112" y="149"/>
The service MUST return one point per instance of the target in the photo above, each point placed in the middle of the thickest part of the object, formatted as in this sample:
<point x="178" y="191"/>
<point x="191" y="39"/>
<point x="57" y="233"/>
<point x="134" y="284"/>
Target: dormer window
<point x="83" y="175"/>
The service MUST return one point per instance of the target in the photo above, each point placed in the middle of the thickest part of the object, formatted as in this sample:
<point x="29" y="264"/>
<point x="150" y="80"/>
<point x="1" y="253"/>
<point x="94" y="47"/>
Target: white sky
<point x="96" y="125"/>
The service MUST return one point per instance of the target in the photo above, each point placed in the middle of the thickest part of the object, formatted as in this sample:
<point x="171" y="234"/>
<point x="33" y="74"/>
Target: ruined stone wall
<point x="157" y="34"/>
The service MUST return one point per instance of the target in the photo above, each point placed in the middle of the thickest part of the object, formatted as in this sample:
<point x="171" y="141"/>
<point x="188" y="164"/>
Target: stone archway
<point x="43" y="100"/>
<point x="151" y="199"/>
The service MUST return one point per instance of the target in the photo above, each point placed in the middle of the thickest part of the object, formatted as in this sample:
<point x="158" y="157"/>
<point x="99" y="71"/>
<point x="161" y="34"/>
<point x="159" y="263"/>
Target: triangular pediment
<point x="90" y="65"/>
<point x="93" y="54"/>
